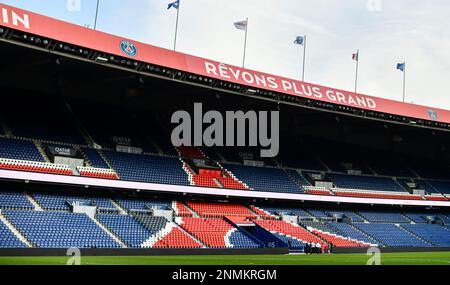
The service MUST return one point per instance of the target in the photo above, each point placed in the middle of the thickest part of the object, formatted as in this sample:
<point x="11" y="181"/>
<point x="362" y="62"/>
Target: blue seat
<point x="148" y="168"/>
<point x="8" y="239"/>
<point x="130" y="231"/>
<point x="20" y="150"/>
<point x="239" y="239"/>
<point x="264" y="179"/>
<point x="14" y="200"/>
<point x="59" y="229"/>
<point x="365" y="182"/>
<point x="384" y="217"/>
<point x="392" y="235"/>
<point x="94" y="158"/>
<point x="435" y="234"/>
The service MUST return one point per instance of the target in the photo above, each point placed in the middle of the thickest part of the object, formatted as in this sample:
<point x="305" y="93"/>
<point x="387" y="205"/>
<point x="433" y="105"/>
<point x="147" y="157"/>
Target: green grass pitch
<point x="435" y="258"/>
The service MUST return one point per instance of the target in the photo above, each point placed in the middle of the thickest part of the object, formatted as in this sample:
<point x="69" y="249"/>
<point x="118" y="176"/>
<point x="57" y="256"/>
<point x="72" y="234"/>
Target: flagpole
<point x="176" y="27"/>
<point x="304" y="58"/>
<point x="404" y="81"/>
<point x="357" y="69"/>
<point x="245" y="43"/>
<point x="96" y="15"/>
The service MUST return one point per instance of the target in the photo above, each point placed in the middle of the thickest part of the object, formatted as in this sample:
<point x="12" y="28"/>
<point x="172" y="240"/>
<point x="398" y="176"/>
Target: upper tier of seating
<point x="20" y="150"/>
<point x="440" y="186"/>
<point x="297" y="177"/>
<point x="365" y="182"/>
<point x="388" y="165"/>
<point x="148" y="168"/>
<point x="94" y="158"/>
<point x="264" y="179"/>
<point x="59" y="229"/>
<point x="38" y="118"/>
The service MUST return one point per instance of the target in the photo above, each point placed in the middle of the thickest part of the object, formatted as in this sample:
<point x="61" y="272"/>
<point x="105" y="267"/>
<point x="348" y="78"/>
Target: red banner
<point x="51" y="28"/>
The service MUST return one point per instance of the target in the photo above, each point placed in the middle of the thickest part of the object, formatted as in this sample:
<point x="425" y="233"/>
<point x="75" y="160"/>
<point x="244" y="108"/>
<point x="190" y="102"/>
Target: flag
<point x="401" y="66"/>
<point x="299" y="40"/>
<point x="175" y="5"/>
<point x="241" y="25"/>
<point x="355" y="56"/>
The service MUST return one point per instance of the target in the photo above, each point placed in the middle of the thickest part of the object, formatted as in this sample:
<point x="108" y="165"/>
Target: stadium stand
<point x="419" y="218"/>
<point x="14" y="201"/>
<point x="204" y="224"/>
<point x="142" y="205"/>
<point x="148" y="168"/>
<point x="27" y="114"/>
<point x="127" y="228"/>
<point x="365" y="182"/>
<point x="181" y="210"/>
<point x="440" y="186"/>
<point x="119" y="125"/>
<point x="345" y="214"/>
<point x="59" y="230"/>
<point x="94" y="158"/>
<point x="433" y="234"/>
<point x="353" y="233"/>
<point x="217" y="233"/>
<point x="62" y="202"/>
<point x="384" y="217"/>
<point x="298" y="178"/>
<point x="286" y="211"/>
<point x="19" y="150"/>
<point x="177" y="238"/>
<point x="290" y="230"/>
<point x="97" y="173"/>
<point x="387" y="164"/>
<point x="8" y="239"/>
<point x="264" y="179"/>
<point x="213" y="210"/>
<point x="392" y="235"/>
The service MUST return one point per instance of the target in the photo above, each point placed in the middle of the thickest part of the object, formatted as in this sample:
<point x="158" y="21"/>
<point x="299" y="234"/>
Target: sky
<point x="385" y="31"/>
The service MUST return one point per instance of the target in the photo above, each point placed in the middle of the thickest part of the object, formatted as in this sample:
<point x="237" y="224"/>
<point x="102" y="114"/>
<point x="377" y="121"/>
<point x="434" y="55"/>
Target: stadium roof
<point x="113" y="49"/>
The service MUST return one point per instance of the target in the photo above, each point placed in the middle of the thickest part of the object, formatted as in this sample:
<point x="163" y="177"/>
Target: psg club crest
<point x="433" y="114"/>
<point x="128" y="48"/>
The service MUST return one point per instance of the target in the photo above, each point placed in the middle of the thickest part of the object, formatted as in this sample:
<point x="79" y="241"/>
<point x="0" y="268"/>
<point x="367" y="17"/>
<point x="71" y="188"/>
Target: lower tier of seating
<point x="217" y="233"/>
<point x="59" y="230"/>
<point x="392" y="235"/>
<point x="46" y="220"/>
<point x="290" y="230"/>
<point x="177" y="238"/>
